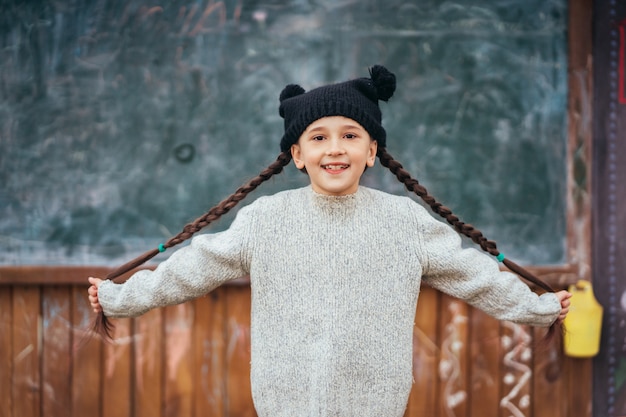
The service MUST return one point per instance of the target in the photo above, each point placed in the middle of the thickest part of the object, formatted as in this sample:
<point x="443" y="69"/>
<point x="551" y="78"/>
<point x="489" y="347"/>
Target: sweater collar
<point x="335" y="204"/>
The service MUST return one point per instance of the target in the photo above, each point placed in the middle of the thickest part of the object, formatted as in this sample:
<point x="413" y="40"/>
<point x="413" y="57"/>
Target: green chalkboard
<point x="120" y="121"/>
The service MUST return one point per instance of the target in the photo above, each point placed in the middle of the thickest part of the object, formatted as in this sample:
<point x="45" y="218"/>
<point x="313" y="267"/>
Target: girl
<point x="335" y="268"/>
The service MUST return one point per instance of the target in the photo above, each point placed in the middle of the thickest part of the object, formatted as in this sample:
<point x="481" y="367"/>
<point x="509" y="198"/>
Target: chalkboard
<point x="120" y="121"/>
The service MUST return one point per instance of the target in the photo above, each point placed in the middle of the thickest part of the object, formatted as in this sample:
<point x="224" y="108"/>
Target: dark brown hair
<point x="103" y="327"/>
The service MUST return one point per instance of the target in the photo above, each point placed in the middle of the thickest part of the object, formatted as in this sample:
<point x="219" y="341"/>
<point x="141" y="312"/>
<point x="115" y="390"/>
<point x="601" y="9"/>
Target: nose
<point x="335" y="147"/>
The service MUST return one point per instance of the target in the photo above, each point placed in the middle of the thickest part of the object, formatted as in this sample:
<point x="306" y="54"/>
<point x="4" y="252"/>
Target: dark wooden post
<point x="609" y="206"/>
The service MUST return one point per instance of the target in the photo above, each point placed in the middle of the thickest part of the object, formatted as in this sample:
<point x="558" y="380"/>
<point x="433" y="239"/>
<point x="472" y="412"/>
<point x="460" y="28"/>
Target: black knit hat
<point x="355" y="99"/>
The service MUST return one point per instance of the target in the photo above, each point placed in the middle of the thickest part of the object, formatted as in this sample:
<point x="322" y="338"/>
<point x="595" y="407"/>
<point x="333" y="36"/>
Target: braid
<point x="468" y="230"/>
<point x="102" y="325"/>
<point x="414" y="186"/>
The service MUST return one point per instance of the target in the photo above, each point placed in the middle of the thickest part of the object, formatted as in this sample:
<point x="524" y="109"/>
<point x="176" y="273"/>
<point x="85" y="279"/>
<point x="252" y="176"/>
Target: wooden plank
<point x="558" y="275"/>
<point x="423" y="398"/>
<point x="453" y="365"/>
<point x="178" y="360"/>
<point x="484" y="365"/>
<point x="49" y="275"/>
<point x="577" y="380"/>
<point x="548" y="378"/>
<point x="68" y="275"/>
<point x="238" y="353"/>
<point x="148" y="354"/>
<point x="26" y="350"/>
<point x="116" y="378"/>
<point x="516" y="376"/>
<point x="580" y="117"/>
<point x="6" y="351"/>
<point x="578" y="376"/>
<point x="57" y="351"/>
<point x="209" y="377"/>
<point x="86" y="359"/>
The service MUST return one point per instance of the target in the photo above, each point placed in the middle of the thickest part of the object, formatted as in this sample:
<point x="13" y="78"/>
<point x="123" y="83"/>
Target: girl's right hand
<point x="93" y="294"/>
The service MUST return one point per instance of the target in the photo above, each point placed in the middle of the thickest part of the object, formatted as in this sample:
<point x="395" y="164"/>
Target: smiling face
<point x="334" y="151"/>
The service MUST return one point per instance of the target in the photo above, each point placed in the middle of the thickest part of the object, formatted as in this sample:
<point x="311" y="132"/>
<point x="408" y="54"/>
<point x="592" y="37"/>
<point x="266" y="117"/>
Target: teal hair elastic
<point x="162" y="247"/>
<point x="500" y="257"/>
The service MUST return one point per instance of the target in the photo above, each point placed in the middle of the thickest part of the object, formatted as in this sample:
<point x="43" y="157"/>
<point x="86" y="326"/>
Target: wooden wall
<point x="193" y="360"/>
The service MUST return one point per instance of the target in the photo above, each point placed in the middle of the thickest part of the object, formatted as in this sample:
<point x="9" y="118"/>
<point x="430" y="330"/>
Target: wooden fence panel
<point x="178" y="360"/>
<point x="453" y="364"/>
<point x="116" y="373"/>
<point x="483" y="384"/>
<point x="426" y="354"/>
<point x="548" y="370"/>
<point x="194" y="360"/>
<point x="6" y="352"/>
<point x="239" y="402"/>
<point x="57" y="351"/>
<point x="516" y="374"/>
<point x="87" y="367"/>
<point x="576" y="378"/>
<point x="26" y="349"/>
<point x="148" y="356"/>
<point x="210" y="354"/>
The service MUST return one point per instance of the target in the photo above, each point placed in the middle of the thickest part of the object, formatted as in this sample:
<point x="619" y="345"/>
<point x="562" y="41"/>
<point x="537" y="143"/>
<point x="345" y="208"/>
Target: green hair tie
<point x="500" y="257"/>
<point x="162" y="247"/>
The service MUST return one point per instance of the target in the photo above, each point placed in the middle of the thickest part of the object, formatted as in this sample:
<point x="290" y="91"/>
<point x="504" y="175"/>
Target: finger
<point x="94" y="281"/>
<point x="563" y="295"/>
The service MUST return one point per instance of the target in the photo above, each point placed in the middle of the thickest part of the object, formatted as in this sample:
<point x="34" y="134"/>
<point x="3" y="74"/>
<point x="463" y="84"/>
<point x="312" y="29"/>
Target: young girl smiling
<point x="335" y="268"/>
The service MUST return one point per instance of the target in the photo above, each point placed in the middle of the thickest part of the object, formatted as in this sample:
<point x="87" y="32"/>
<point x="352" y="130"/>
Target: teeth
<point x="335" y="166"/>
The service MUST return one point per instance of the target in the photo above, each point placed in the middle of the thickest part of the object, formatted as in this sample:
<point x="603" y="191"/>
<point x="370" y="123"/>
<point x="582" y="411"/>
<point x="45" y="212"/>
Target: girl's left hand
<point x="563" y="297"/>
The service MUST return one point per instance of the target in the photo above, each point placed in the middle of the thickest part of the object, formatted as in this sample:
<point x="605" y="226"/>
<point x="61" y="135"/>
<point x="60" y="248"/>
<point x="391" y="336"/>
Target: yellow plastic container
<point x="583" y="322"/>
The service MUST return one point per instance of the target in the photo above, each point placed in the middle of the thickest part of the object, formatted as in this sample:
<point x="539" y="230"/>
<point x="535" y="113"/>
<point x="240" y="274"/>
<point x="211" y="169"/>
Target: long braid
<point x="468" y="230"/>
<point x="102" y="325"/>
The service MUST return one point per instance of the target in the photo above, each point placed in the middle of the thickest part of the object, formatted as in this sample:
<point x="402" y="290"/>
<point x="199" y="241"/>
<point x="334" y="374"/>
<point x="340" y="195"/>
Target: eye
<point x="317" y="138"/>
<point x="350" y="136"/>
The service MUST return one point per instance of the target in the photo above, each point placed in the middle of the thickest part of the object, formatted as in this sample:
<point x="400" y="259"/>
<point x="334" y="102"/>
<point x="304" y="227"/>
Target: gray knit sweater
<point x="334" y="282"/>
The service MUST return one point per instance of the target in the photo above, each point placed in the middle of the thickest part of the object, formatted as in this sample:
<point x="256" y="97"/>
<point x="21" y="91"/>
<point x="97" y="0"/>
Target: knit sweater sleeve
<point x="192" y="271"/>
<point x="475" y="277"/>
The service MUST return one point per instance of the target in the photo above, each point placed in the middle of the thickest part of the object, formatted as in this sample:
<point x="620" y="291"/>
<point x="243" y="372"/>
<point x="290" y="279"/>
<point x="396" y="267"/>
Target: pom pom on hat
<point x="384" y="82"/>
<point x="355" y="99"/>
<point x="291" y="90"/>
